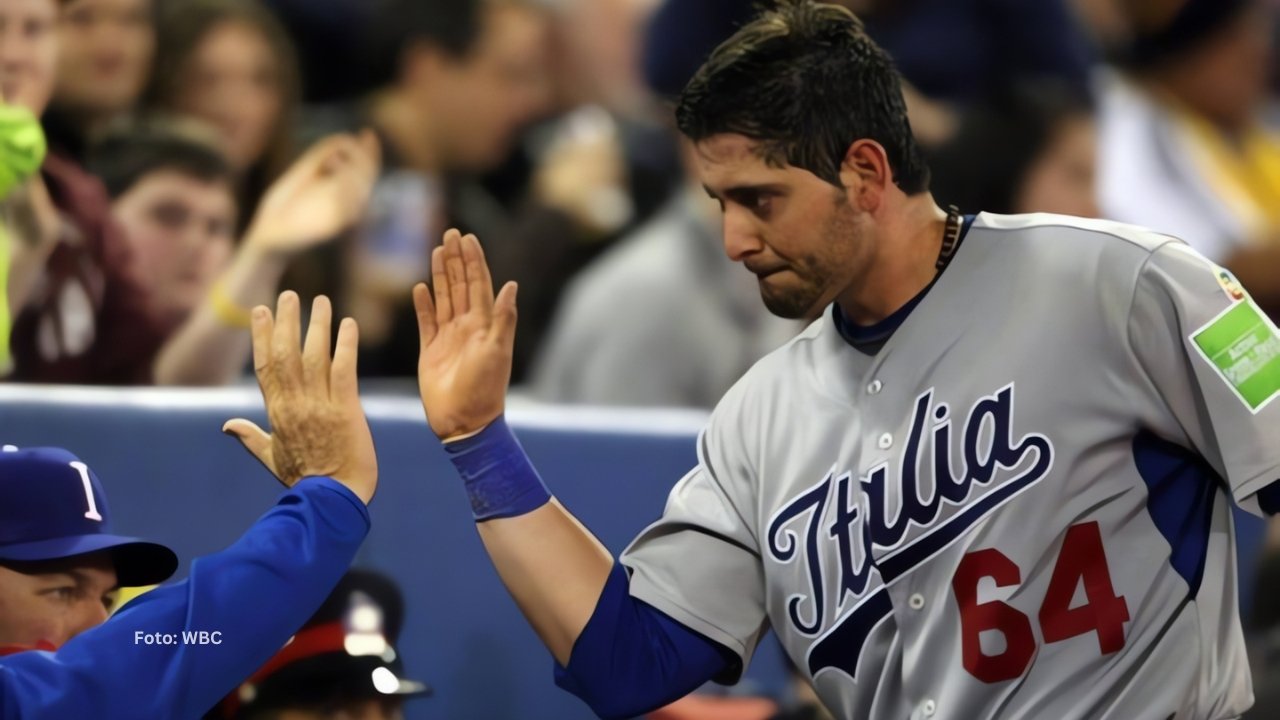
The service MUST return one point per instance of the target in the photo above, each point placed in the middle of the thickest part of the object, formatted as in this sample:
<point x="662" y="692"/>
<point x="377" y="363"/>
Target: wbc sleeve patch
<point x="1243" y="346"/>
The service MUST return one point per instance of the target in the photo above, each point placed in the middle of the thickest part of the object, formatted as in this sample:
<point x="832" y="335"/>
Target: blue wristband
<point x="500" y="480"/>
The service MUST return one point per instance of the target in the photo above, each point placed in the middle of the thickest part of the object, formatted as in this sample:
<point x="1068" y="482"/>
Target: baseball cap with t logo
<point x="52" y="507"/>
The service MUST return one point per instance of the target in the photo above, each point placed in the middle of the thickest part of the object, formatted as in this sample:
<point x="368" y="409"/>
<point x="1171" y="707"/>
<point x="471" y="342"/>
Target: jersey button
<point x="916" y="601"/>
<point x="928" y="707"/>
<point x="875" y="387"/>
<point x="885" y="442"/>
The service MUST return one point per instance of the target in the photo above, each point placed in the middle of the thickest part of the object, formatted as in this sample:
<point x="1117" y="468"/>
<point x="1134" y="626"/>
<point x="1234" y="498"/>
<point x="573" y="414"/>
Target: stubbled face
<point x="1063" y="179"/>
<point x="28" y="52"/>
<point x="55" y="601"/>
<point x="481" y="101"/>
<point x="233" y="81"/>
<point x="105" y="52"/>
<point x="181" y="230"/>
<point x="797" y="233"/>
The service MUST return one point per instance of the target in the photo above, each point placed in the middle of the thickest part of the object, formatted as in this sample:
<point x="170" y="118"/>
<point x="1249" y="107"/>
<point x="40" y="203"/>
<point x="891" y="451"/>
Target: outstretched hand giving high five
<point x="467" y="336"/>
<point x="317" y="424"/>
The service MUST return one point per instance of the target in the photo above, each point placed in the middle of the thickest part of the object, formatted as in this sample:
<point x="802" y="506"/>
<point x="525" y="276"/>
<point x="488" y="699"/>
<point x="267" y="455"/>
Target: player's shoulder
<point x="1073" y="249"/>
<point x="1049" y="228"/>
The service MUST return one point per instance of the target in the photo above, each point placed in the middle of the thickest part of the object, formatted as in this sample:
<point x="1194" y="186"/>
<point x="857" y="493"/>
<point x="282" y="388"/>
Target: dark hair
<point x="182" y="26"/>
<point x="805" y="81"/>
<point x="983" y="165"/>
<point x="451" y="26"/>
<point x="1163" y="32"/>
<point x="124" y="157"/>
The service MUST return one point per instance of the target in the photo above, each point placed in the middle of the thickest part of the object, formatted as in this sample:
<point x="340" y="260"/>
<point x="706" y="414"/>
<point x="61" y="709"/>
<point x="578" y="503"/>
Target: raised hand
<point x="313" y="403"/>
<point x="464" y="361"/>
<point x="320" y="196"/>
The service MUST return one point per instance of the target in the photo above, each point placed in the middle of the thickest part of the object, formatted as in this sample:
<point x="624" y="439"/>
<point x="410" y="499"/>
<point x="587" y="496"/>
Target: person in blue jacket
<point x="60" y="564"/>
<point x="175" y="651"/>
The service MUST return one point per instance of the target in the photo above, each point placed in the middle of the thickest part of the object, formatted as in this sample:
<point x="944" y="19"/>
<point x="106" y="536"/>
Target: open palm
<point x="467" y="336"/>
<point x="320" y="196"/>
<point x="313" y="403"/>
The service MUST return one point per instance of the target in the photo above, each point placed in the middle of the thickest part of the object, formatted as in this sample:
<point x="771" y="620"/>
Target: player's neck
<point x="904" y="261"/>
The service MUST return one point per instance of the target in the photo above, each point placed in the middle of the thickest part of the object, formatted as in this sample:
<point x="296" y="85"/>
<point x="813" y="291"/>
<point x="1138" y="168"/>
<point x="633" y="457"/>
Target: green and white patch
<point x="1243" y="346"/>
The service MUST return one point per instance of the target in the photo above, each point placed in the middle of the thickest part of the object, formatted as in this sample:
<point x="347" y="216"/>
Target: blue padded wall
<point x="172" y="476"/>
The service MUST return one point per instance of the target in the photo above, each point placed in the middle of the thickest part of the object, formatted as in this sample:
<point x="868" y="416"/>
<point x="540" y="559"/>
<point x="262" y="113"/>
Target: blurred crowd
<point x="206" y="154"/>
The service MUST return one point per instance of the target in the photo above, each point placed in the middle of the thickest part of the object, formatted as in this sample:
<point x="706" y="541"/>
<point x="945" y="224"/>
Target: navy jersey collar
<point x="870" y="338"/>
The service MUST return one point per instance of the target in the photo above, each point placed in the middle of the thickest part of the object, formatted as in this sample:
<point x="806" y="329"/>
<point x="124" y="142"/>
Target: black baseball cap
<point x="344" y="653"/>
<point x="52" y="507"/>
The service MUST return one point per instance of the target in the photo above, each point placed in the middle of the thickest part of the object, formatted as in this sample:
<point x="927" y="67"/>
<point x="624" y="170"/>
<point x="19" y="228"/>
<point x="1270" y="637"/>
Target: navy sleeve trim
<point x="632" y="658"/>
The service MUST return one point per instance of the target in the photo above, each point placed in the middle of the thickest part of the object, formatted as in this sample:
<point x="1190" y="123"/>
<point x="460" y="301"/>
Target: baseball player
<point x="177" y="650"/>
<point x="992" y="480"/>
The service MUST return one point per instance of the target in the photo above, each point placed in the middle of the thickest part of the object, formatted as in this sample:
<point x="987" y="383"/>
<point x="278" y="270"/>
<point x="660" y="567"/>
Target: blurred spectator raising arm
<point x="321" y="196"/>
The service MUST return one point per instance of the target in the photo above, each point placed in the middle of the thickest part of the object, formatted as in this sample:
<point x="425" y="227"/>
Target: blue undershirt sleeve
<point x="631" y="658"/>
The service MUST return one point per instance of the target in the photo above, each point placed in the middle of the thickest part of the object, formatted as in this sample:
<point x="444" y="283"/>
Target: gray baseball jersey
<point x="1017" y="508"/>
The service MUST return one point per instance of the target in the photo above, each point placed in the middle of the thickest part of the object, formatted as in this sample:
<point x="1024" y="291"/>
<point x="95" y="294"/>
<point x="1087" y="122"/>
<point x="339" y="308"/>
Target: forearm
<point x="256" y="593"/>
<point x="552" y="566"/>
<point x="209" y="349"/>
<point x="554" y="569"/>
<point x="618" y="654"/>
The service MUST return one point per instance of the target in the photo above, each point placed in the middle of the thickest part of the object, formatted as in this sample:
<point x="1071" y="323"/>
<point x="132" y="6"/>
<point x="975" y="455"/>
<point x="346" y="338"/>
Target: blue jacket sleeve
<point x="256" y="594"/>
<point x="632" y="658"/>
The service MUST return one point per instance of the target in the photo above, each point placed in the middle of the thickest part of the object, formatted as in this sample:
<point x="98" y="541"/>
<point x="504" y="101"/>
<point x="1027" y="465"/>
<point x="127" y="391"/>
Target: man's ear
<point x="866" y="174"/>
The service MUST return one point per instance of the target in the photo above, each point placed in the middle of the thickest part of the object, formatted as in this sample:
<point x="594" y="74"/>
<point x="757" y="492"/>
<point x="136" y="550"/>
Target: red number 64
<point x="1082" y="558"/>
